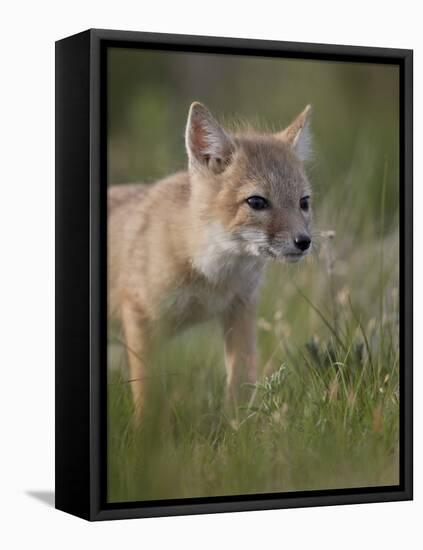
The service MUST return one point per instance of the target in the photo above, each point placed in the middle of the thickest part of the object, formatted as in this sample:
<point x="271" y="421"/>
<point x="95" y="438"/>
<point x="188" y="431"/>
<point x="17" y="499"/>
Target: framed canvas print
<point x="233" y="274"/>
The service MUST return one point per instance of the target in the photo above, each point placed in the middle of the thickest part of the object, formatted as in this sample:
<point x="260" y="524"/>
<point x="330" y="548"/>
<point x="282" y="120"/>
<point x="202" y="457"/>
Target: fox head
<point x="251" y="187"/>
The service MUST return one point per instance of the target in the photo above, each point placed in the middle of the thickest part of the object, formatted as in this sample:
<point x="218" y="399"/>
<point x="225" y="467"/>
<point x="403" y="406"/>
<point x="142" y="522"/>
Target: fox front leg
<point x="136" y="336"/>
<point x="239" y="329"/>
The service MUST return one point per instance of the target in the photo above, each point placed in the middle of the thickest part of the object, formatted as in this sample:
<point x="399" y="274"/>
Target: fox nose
<point x="302" y="242"/>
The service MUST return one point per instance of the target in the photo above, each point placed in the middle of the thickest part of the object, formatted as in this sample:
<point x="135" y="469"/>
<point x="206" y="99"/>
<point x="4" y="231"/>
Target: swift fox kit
<point x="194" y="245"/>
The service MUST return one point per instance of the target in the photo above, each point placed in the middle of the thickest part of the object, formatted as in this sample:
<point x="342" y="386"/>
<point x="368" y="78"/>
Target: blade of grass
<point x="322" y="317"/>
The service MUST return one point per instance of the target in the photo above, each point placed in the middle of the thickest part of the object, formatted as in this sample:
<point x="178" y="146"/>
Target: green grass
<point x="325" y="410"/>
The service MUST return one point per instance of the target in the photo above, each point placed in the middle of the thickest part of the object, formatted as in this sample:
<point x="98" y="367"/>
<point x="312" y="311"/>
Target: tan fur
<point x="189" y="248"/>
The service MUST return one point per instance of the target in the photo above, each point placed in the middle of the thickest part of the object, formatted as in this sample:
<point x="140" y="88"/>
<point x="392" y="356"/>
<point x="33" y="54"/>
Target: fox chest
<point x="202" y="300"/>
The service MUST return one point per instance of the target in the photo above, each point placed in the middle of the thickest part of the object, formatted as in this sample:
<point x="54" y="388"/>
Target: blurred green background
<point x="328" y="328"/>
<point x="355" y="121"/>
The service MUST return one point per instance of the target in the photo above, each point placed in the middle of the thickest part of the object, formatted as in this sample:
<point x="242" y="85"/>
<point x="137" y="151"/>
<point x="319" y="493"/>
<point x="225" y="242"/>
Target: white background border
<point x="29" y="30"/>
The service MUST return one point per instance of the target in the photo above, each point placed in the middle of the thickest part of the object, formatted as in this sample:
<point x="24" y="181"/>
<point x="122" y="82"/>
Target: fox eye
<point x="305" y="203"/>
<point x="257" y="203"/>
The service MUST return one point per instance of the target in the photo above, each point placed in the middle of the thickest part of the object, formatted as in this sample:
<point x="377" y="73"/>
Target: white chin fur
<point x="223" y="255"/>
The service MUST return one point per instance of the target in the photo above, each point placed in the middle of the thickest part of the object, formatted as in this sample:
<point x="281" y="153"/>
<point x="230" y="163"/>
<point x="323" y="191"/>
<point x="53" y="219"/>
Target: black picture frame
<point x="81" y="325"/>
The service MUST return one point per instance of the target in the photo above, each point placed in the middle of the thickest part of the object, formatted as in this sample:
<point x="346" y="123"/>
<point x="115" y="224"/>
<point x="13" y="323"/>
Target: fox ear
<point x="297" y="135"/>
<point x="207" y="144"/>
